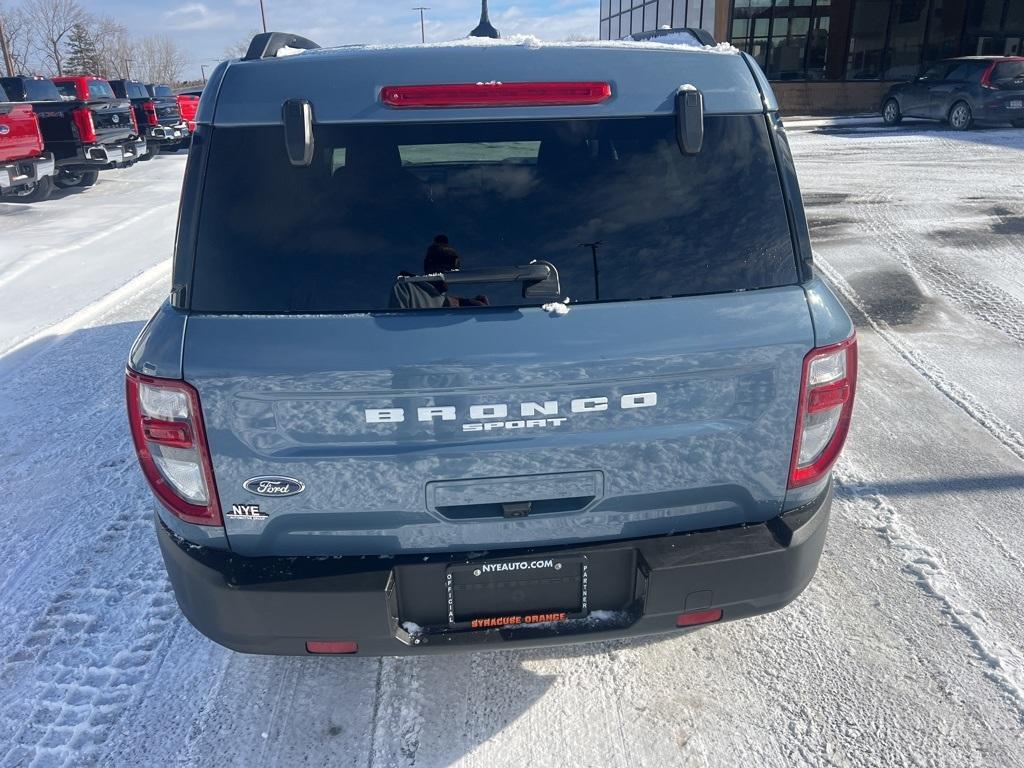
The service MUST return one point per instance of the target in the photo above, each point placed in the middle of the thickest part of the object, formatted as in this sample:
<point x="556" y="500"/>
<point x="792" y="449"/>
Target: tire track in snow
<point x="88" y="660"/>
<point x="16" y="270"/>
<point x="1004" y="663"/>
<point x="83" y="317"/>
<point x="1009" y="437"/>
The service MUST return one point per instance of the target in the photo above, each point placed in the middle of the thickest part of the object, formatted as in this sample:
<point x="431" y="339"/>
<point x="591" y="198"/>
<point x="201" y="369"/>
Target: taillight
<point x="823" y="417"/>
<point x="150" y="109"/>
<point x="167" y="427"/>
<point x="135" y="121"/>
<point x="83" y="122"/>
<point x="495" y="94"/>
<point x="986" y="78"/>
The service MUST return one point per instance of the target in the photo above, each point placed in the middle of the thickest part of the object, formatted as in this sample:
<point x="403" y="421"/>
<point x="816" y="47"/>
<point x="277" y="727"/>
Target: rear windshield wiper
<point x="539" y="278"/>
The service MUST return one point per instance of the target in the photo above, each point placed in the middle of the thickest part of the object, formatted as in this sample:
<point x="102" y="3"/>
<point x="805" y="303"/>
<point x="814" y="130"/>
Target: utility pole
<point x="8" y="61"/>
<point x="263" y="16"/>
<point x="423" y="30"/>
<point x="127" y="69"/>
<point x="202" y="68"/>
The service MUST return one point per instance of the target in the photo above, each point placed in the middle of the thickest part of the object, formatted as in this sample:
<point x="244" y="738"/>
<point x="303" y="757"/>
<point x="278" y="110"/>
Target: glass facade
<point x="620" y="18"/>
<point x="870" y="39"/>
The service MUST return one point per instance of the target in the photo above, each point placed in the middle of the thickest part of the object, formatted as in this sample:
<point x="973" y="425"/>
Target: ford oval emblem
<point x="4" y="130"/>
<point x="115" y="119"/>
<point x="274" y="485"/>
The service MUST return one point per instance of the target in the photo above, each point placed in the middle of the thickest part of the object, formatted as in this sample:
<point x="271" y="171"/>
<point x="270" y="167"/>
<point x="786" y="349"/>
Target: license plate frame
<point x="510" y="587"/>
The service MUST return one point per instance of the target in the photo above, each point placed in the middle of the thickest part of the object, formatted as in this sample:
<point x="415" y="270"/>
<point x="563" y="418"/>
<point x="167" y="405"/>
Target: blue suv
<point x="488" y="344"/>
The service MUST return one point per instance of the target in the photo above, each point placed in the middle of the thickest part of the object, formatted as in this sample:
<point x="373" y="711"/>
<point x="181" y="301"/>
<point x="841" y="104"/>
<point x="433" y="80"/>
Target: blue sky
<point x="206" y="28"/>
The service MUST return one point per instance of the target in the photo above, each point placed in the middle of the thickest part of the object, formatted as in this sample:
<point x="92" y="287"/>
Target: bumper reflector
<point x="698" y="617"/>
<point x="340" y="646"/>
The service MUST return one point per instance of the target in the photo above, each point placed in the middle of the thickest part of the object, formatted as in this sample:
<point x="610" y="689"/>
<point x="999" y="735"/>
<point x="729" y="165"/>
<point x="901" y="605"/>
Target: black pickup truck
<point x="85" y="127"/>
<point x="157" y="114"/>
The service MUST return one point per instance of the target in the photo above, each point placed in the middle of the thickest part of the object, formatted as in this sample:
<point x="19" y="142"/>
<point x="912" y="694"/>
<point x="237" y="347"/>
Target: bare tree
<point x="238" y="49"/>
<point x="18" y="39"/>
<point x="114" y="47"/>
<point x="158" y="59"/>
<point x="51" y="22"/>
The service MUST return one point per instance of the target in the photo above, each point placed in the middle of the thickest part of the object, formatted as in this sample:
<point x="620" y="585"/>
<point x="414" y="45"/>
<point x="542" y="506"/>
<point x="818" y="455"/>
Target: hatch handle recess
<point x="689" y="119"/>
<point x="298" y="131"/>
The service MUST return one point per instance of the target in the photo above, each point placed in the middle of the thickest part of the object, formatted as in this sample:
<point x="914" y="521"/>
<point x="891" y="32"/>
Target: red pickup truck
<point x="188" y="103"/>
<point x="26" y="171"/>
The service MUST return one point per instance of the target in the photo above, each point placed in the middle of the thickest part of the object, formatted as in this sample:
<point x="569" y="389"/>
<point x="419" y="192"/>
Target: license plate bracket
<point x="517" y="592"/>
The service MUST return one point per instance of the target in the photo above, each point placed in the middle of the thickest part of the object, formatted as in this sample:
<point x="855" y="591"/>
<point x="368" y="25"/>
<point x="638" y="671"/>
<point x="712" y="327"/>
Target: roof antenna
<point x="484" y="28"/>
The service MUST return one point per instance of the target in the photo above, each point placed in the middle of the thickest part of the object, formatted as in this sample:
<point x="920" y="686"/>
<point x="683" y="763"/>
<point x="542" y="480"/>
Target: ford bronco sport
<point x="499" y="344"/>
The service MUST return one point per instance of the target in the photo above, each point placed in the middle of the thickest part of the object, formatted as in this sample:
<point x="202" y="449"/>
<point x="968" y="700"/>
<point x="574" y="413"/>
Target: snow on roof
<point x="663" y="43"/>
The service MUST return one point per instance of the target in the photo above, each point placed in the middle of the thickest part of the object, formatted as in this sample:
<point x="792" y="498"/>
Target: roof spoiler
<point x="267" y="45"/>
<point x="702" y="36"/>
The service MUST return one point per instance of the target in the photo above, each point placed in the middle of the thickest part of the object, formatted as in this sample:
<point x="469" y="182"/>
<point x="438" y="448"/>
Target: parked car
<point x="962" y="92"/>
<point x="168" y="115"/>
<point x="163" y="127"/>
<point x="188" y="103"/>
<point x="83" y="125"/>
<point x="459" y="458"/>
<point x="26" y="169"/>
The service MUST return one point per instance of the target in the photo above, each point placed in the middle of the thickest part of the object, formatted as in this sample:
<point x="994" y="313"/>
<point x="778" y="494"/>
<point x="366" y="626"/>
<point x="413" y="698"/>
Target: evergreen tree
<point x="83" y="53"/>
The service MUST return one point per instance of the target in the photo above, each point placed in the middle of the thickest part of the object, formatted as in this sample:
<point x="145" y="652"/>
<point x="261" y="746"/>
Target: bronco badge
<point x="273" y="485"/>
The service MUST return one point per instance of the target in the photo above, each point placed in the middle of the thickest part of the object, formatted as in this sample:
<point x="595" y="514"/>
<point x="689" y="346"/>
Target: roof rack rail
<point x="702" y="36"/>
<point x="267" y="45"/>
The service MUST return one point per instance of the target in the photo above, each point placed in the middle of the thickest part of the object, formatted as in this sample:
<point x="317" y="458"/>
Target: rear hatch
<point x="664" y="399"/>
<point x="112" y="120"/>
<point x="167" y="110"/>
<point x="1005" y="88"/>
<point x="19" y="137"/>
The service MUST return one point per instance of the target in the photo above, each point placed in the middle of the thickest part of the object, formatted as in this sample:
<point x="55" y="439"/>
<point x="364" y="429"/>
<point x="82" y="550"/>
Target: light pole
<point x="127" y="69"/>
<point x="423" y="30"/>
<point x="263" y="16"/>
<point x="202" y="68"/>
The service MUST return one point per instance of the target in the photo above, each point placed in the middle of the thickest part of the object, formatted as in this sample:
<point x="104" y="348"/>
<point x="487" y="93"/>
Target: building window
<point x="789" y="38"/>
<point x="906" y="39"/>
<point x="867" y="39"/>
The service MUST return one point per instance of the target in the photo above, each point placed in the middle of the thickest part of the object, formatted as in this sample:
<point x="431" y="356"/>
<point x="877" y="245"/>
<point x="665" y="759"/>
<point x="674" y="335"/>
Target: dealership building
<point x="835" y="55"/>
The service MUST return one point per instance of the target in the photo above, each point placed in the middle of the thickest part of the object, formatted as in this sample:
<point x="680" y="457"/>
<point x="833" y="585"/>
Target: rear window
<point x="41" y="90"/>
<point x="162" y="90"/>
<point x="1008" y="70"/>
<point x="67" y="90"/>
<point x="612" y="204"/>
<point x="100" y="89"/>
<point x="137" y="91"/>
<point x="3" y="96"/>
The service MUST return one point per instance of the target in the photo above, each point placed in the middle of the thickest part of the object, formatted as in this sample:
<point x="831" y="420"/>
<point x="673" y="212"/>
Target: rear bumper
<point x="104" y="156"/>
<point x="27" y="171"/>
<point x="169" y="133"/>
<point x="275" y="605"/>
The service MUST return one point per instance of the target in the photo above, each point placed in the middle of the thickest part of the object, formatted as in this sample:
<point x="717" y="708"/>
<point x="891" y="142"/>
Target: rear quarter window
<point x="612" y="203"/>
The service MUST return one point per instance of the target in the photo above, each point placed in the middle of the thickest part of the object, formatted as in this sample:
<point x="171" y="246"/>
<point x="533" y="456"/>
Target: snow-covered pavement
<point x="907" y="649"/>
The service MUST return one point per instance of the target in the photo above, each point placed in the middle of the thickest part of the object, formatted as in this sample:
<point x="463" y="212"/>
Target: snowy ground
<point x="907" y="649"/>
